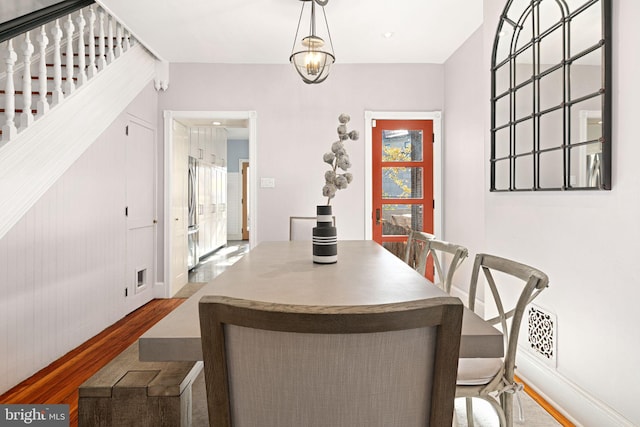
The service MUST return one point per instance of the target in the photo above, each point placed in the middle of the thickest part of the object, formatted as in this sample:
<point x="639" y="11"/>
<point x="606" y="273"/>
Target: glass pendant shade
<point x="312" y="61"/>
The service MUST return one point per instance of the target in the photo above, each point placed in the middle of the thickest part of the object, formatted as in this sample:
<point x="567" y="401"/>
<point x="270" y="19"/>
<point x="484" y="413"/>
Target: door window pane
<point x="401" y="183"/>
<point x="401" y="145"/>
<point x="398" y="220"/>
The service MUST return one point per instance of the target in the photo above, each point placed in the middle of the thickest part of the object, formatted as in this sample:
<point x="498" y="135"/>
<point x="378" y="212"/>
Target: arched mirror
<point x="551" y="96"/>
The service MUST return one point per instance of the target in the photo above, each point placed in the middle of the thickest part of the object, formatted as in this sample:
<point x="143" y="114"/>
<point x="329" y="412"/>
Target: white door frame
<point x="436" y="117"/>
<point x="164" y="290"/>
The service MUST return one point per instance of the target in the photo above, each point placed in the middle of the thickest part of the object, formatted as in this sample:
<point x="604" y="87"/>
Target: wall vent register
<point x="542" y="334"/>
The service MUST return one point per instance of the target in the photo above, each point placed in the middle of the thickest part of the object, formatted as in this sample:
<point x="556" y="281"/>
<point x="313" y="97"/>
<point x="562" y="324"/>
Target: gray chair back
<point x="416" y="250"/>
<point x="535" y="281"/>
<point x="447" y="257"/>
<point x="277" y="365"/>
<point x="300" y="227"/>
<point x="529" y="282"/>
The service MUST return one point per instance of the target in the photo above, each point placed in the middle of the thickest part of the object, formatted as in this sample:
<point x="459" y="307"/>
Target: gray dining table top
<point x="283" y="272"/>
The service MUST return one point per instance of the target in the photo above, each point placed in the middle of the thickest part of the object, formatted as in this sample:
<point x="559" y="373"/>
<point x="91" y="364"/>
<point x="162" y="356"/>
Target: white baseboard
<point x="159" y="290"/>
<point x="234" y="236"/>
<point x="570" y="400"/>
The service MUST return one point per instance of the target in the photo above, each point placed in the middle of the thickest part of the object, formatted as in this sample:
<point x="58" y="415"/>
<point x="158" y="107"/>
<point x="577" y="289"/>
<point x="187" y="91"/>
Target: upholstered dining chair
<point x="300" y="227"/>
<point x="416" y="250"/>
<point x="488" y="378"/>
<point x="277" y="365"/>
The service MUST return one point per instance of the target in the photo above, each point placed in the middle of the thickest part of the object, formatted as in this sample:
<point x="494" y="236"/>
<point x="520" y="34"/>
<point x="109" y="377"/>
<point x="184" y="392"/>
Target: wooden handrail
<point x="39" y="17"/>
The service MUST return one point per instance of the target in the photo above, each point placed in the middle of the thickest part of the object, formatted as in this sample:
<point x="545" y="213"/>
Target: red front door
<point x="402" y="175"/>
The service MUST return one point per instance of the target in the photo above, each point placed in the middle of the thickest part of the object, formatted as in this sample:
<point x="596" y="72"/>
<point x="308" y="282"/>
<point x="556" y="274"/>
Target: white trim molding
<point x="436" y="117"/>
<point x="565" y="396"/>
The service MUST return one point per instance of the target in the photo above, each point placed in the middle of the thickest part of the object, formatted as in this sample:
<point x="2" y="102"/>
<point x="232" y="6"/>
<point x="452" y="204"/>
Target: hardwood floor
<point x="58" y="383"/>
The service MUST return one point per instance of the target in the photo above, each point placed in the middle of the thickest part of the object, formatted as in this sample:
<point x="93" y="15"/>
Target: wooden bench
<point x="128" y="392"/>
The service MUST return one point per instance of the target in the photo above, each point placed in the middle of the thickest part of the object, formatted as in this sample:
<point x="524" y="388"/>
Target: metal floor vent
<point x="543" y="334"/>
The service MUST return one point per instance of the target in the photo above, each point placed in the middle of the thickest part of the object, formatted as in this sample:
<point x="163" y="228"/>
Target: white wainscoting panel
<point x="62" y="265"/>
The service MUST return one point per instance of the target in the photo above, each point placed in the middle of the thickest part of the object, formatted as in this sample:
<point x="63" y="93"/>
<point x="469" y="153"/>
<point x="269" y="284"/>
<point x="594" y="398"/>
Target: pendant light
<point x="312" y="61"/>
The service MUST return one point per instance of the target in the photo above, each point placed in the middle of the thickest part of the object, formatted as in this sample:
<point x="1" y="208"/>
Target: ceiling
<point x="262" y="31"/>
<point x="237" y="129"/>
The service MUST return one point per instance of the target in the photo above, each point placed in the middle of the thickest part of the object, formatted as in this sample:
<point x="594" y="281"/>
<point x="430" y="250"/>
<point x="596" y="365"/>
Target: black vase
<point x="325" y="240"/>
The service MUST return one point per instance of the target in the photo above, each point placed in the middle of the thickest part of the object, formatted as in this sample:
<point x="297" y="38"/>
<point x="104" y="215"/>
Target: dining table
<point x="283" y="272"/>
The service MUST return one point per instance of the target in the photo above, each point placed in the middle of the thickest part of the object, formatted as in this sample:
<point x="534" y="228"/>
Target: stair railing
<point x="68" y="52"/>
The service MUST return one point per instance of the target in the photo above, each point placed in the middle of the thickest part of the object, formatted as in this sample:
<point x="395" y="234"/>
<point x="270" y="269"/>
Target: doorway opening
<point x="235" y="123"/>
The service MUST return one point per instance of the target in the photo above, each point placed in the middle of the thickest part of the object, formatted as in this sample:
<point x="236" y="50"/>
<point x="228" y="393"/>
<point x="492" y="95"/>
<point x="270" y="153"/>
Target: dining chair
<point x="416" y="250"/>
<point x="447" y="257"/>
<point x="279" y="365"/>
<point x="300" y="227"/>
<point x="489" y="378"/>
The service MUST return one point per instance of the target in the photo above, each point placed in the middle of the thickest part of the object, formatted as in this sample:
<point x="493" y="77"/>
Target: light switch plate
<point x="267" y="182"/>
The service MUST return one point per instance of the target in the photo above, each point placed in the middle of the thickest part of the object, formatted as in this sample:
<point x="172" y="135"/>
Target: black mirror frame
<point x="605" y="93"/>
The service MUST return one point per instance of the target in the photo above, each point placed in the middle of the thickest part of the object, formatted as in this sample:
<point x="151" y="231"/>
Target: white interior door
<point x="141" y="214"/>
<point x="179" y="207"/>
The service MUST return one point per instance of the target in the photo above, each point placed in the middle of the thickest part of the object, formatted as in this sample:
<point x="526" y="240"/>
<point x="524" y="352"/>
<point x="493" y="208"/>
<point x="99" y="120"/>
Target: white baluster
<point x="127" y="40"/>
<point x="82" y="72"/>
<point x="9" y="129"/>
<point x="43" y="41"/>
<point x="118" y="40"/>
<point x="110" y="56"/>
<point x="102" y="60"/>
<point x="92" y="70"/>
<point x="26" y="118"/>
<point x="69" y="27"/>
<point x="56" y="33"/>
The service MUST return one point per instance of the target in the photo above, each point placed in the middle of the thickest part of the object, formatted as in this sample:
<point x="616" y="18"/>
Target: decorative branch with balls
<point x="339" y="160"/>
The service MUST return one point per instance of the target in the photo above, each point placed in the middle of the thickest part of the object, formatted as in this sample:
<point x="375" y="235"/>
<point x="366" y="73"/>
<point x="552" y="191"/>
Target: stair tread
<point x="51" y="78"/>
<point x="62" y="65"/>
<point x="21" y="92"/>
<point x="18" y="110"/>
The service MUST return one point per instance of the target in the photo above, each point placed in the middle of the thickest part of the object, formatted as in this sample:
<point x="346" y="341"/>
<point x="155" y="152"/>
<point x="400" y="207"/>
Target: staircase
<point x="61" y="85"/>
<point x="44" y="65"/>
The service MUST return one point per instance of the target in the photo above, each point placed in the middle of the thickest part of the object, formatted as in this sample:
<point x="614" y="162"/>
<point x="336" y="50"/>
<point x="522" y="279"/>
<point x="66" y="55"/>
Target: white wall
<point x="296" y="124"/>
<point x="586" y="242"/>
<point x="62" y="266"/>
<point x="464" y="156"/>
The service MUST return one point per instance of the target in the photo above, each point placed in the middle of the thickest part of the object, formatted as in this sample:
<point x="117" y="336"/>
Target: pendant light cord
<point x="293" y="48"/>
<point x="328" y="31"/>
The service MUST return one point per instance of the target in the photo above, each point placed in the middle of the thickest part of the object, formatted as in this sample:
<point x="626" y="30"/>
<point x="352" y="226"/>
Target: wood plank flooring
<point x="58" y="383"/>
